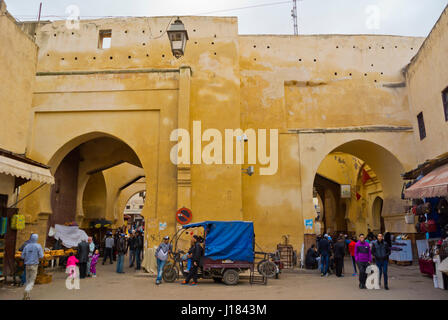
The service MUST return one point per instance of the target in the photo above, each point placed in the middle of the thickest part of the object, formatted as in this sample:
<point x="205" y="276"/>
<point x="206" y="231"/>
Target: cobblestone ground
<point x="406" y="282"/>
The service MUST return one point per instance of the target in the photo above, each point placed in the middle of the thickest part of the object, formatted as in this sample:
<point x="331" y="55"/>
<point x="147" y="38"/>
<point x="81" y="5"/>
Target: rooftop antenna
<point x="294" y="17"/>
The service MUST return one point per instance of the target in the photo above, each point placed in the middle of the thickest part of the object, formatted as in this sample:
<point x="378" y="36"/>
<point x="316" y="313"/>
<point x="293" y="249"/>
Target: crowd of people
<point x="88" y="253"/>
<point x="329" y="252"/>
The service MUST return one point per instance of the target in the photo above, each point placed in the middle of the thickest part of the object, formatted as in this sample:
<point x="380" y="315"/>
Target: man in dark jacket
<point x="83" y="257"/>
<point x="311" y="258"/>
<point x="195" y="253"/>
<point x="121" y="251"/>
<point x="324" y="251"/>
<point x="339" y="253"/>
<point x="138" y="249"/>
<point x="131" y="247"/>
<point x="381" y="252"/>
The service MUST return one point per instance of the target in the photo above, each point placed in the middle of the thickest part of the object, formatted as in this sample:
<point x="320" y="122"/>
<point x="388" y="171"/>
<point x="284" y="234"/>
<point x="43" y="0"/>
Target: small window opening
<point x="105" y="39"/>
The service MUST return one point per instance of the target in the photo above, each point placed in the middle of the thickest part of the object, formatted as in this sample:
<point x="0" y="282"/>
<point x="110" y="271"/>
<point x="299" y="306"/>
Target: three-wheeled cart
<point x="228" y="252"/>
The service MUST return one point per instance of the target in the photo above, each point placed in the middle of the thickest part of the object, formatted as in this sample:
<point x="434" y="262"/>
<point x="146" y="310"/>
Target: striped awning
<point x="434" y="184"/>
<point x="24" y="170"/>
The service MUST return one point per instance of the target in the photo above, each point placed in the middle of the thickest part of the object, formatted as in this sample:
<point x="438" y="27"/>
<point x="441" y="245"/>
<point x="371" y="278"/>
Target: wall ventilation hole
<point x="255" y="59"/>
<point x="337" y="47"/>
<point x="315" y="60"/>
<point x="370" y="48"/>
<point x="94" y="58"/>
<point x="195" y="42"/>
<point x="62" y="59"/>
<point x="215" y="35"/>
<point x="129" y="57"/>
<point x="268" y="47"/>
<point x="160" y="31"/>
<point x="335" y="73"/>
<point x="382" y="47"/>
<point x="76" y="58"/>
<point x="412" y="48"/>
<point x="255" y="46"/>
<point x="396" y="47"/>
<point x="213" y="43"/>
<point x="143" y="31"/>
<point x="194" y="30"/>
<point x="144" y="44"/>
<point x="371" y="65"/>
<point x="73" y="33"/>
<point x="300" y="60"/>
<point x="365" y="74"/>
<point x="48" y="54"/>
<point x="163" y="56"/>
<point x="215" y="53"/>
<point x="111" y="58"/>
<point x="126" y="31"/>
<point x="350" y="74"/>
<point x="375" y="80"/>
<point x="55" y="34"/>
<point x="147" y="54"/>
<point x="354" y="47"/>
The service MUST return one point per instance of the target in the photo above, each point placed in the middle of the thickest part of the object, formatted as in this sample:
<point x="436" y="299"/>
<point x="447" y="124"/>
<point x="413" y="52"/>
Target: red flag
<point x="365" y="176"/>
<point x="358" y="196"/>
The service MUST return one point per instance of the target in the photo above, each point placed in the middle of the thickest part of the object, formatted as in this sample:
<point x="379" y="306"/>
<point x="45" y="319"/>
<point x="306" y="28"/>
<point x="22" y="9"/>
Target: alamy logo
<point x="212" y="153"/>
<point x="72" y="281"/>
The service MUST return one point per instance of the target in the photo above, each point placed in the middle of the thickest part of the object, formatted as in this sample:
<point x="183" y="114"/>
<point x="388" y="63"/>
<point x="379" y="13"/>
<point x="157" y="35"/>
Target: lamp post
<point x="178" y="36"/>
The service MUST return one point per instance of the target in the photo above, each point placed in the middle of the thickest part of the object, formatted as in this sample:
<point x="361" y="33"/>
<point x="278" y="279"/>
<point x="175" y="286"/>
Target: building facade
<point x="102" y="116"/>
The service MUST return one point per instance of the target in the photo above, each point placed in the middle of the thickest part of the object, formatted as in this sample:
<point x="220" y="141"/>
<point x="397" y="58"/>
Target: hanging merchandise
<point x="3" y="225"/>
<point x="18" y="222"/>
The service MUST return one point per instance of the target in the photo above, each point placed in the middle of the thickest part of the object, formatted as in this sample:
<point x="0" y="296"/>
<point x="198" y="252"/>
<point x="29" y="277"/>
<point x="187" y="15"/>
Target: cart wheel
<point x="268" y="269"/>
<point x="259" y="265"/>
<point x="170" y="273"/>
<point x="230" y="277"/>
<point x="217" y="279"/>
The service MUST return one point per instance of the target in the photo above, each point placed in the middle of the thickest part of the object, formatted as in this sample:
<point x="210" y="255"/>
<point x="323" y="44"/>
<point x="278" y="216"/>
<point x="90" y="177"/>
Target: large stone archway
<point x="385" y="155"/>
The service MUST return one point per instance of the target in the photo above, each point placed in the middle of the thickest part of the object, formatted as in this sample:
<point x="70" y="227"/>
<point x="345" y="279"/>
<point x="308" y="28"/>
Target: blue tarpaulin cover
<point x="233" y="240"/>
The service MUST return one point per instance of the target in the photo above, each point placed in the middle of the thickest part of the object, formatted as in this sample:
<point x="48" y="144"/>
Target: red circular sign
<point x="184" y="215"/>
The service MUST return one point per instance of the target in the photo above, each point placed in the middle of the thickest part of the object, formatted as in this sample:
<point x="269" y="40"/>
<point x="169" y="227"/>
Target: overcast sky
<point x="394" y="17"/>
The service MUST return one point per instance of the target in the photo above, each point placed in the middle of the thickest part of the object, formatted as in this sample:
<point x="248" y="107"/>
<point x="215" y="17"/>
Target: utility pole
<point x="40" y="11"/>
<point x="294" y="17"/>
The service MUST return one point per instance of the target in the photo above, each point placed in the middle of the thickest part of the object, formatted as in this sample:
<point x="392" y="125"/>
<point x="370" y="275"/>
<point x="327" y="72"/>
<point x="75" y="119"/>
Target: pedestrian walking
<point x="31" y="254"/>
<point x="109" y="245"/>
<point x="131" y="247"/>
<point x="324" y="252"/>
<point x="195" y="253"/>
<point x="121" y="251"/>
<point x="91" y="252"/>
<point x="363" y="258"/>
<point x="138" y="249"/>
<point x="381" y="252"/>
<point x="339" y="253"/>
<point x="161" y="254"/>
<point x="23" y="277"/>
<point x="93" y="263"/>
<point x="351" y="249"/>
<point x="73" y="272"/>
<point x="83" y="257"/>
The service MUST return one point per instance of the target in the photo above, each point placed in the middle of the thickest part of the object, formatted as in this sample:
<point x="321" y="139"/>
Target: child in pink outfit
<point x="71" y="265"/>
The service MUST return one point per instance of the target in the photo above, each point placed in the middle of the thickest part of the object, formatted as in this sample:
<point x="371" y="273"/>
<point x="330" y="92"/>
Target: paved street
<point x="406" y="282"/>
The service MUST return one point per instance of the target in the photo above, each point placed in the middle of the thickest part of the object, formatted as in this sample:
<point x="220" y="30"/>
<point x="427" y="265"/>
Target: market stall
<point x="428" y="192"/>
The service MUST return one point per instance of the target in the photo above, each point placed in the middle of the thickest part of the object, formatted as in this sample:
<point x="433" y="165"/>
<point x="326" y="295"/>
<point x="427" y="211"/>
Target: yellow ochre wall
<point x="226" y="81"/>
<point x="426" y="78"/>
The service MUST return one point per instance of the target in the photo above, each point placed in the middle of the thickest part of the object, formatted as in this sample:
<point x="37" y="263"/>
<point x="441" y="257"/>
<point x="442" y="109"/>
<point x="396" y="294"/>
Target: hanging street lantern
<point x="178" y="38"/>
